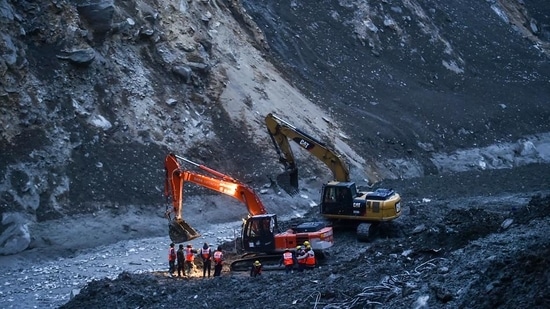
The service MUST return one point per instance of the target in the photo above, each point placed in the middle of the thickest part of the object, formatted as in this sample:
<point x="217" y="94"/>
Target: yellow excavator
<point x="340" y="200"/>
<point x="260" y="235"/>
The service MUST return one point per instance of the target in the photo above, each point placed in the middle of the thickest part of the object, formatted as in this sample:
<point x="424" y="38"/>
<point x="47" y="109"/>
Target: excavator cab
<point x="337" y="199"/>
<point x="258" y="233"/>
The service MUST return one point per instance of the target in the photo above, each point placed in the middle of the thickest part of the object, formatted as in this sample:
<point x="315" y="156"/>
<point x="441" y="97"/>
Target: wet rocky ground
<point x="488" y="249"/>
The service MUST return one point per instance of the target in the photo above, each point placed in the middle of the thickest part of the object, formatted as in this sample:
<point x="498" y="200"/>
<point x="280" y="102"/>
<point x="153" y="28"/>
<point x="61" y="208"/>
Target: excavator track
<point x="180" y="231"/>
<point x="269" y="262"/>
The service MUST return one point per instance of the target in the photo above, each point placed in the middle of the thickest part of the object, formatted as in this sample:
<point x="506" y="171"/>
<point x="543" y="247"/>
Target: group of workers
<point x="302" y="258"/>
<point x="183" y="260"/>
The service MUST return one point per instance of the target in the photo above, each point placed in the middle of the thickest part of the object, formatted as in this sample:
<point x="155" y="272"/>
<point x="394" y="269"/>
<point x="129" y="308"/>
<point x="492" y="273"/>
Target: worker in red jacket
<point x="256" y="269"/>
<point x="288" y="260"/>
<point x="206" y="255"/>
<point x="171" y="260"/>
<point x="218" y="261"/>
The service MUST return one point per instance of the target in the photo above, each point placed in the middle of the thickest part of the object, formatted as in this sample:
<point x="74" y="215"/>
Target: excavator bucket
<point x="180" y="231"/>
<point x="288" y="181"/>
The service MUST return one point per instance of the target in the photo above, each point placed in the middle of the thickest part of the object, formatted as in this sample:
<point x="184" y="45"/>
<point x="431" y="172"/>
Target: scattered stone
<point x="99" y="14"/>
<point x="183" y="71"/>
<point x="506" y="223"/>
<point x="80" y="57"/>
<point x="419" y="229"/>
<point x="171" y="102"/>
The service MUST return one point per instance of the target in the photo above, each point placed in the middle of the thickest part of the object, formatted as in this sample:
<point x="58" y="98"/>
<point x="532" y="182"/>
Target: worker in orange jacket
<point x="301" y="256"/>
<point x="189" y="258"/>
<point x="288" y="260"/>
<point x="310" y="259"/>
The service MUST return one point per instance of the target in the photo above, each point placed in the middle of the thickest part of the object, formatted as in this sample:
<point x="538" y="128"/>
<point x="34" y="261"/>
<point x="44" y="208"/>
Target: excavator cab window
<point x="344" y="195"/>
<point x="353" y="190"/>
<point x="338" y="199"/>
<point x="259" y="233"/>
<point x="330" y="195"/>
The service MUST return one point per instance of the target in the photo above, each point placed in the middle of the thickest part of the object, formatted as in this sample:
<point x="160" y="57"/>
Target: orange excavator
<point x="260" y="234"/>
<point x="340" y="199"/>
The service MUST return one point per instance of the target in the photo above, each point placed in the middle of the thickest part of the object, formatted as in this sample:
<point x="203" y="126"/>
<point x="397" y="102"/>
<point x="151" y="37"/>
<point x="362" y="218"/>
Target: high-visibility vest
<point x="218" y="256"/>
<point x="205" y="253"/>
<point x="302" y="256"/>
<point x="171" y="254"/>
<point x="287" y="258"/>
<point x="189" y="254"/>
<point x="310" y="260"/>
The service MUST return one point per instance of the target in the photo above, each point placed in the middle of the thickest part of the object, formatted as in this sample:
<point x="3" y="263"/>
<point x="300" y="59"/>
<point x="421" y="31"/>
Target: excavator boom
<point x="176" y="177"/>
<point x="281" y="132"/>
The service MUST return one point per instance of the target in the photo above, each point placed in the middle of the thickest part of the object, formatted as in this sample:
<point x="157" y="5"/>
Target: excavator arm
<point x="281" y="132"/>
<point x="176" y="177"/>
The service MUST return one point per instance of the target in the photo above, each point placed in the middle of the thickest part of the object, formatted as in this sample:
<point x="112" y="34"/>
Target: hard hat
<point x="308" y="247"/>
<point x="299" y="247"/>
<point x="306" y="243"/>
<point x="257" y="263"/>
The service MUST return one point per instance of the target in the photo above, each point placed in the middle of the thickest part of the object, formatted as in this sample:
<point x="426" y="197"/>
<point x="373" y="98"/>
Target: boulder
<point x="15" y="237"/>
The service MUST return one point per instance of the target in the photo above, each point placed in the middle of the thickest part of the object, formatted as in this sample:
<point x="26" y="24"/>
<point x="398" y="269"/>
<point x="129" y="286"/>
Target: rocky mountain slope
<point x="444" y="101"/>
<point x="95" y="93"/>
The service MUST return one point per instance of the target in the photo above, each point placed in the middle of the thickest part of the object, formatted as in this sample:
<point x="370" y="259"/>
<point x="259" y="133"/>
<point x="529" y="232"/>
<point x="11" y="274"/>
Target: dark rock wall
<point x="451" y="74"/>
<point x="93" y="94"/>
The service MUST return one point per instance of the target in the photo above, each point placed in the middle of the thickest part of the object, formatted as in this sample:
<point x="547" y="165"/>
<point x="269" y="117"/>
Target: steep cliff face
<point x="93" y="94"/>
